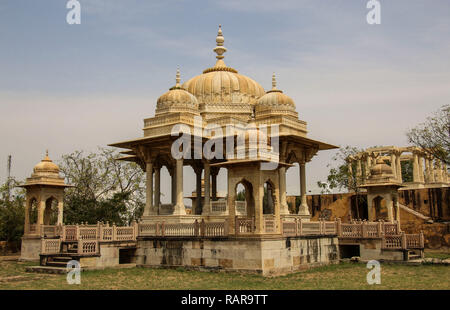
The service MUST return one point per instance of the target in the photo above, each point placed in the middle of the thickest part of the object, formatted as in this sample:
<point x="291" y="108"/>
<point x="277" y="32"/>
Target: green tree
<point x="434" y="135"/>
<point x="105" y="189"/>
<point x="12" y="213"/>
<point x="339" y="176"/>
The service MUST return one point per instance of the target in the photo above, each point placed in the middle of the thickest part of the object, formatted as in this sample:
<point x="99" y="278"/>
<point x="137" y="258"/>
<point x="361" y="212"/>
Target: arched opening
<point x="380" y="208"/>
<point x="269" y="198"/>
<point x="33" y="211"/>
<point x="244" y="201"/>
<point x="51" y="211"/>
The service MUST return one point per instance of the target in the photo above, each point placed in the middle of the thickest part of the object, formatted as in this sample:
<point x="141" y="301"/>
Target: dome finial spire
<point x="220" y="49"/>
<point x="46" y="153"/>
<point x="177" y="79"/>
<point x="274" y="82"/>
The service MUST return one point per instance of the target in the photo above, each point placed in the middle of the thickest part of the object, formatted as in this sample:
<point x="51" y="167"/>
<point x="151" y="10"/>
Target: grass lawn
<point x="342" y="276"/>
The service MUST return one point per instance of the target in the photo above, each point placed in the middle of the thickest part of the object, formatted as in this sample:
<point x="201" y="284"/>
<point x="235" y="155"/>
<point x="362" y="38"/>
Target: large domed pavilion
<point x="222" y="104"/>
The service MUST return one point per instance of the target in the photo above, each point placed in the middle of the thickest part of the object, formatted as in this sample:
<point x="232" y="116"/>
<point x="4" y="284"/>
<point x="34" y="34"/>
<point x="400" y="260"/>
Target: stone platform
<point x="266" y="255"/>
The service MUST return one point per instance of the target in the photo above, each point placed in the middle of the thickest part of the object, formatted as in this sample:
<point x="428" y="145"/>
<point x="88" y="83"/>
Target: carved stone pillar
<point x="368" y="164"/>
<point x="207" y="204"/>
<point x="350" y="173"/>
<point x="157" y="189"/>
<point x="174" y="186"/>
<point x="179" y="207"/>
<point x="60" y="211"/>
<point x="398" y="165"/>
<point x="393" y="165"/>
<point x="358" y="171"/>
<point x="149" y="190"/>
<point x="438" y="171"/>
<point x="214" y="173"/>
<point x="415" y="168"/>
<point x="444" y="173"/>
<point x="197" y="209"/>
<point x="421" y="175"/>
<point x="303" y="210"/>
<point x="284" y="209"/>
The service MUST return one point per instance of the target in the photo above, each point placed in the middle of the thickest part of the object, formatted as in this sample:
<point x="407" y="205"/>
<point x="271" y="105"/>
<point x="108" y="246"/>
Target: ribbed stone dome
<point x="46" y="166"/>
<point x="222" y="84"/>
<point x="177" y="97"/>
<point x="275" y="98"/>
<point x="380" y="168"/>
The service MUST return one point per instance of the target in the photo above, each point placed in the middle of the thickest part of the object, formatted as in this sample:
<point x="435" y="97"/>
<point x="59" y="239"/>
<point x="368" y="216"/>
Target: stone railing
<point x="50" y="246"/>
<point x="100" y="232"/>
<point x="86" y="247"/>
<point x="390" y="234"/>
<point x="219" y="206"/>
<point x="87" y="237"/>
<point x="364" y="229"/>
<point x="194" y="229"/>
<point x="299" y="227"/>
<point x="244" y="225"/>
<point x="51" y="231"/>
<point x="269" y="224"/>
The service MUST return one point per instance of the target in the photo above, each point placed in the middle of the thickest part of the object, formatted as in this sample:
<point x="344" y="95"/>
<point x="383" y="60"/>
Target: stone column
<point x="415" y="168"/>
<point x="174" y="186"/>
<point x="27" y="217"/>
<point x="179" y="207"/>
<point x="421" y="176"/>
<point x="444" y="173"/>
<point x="60" y="211"/>
<point x="438" y="171"/>
<point x="431" y="165"/>
<point x="197" y="209"/>
<point x="389" y="205"/>
<point x="157" y="189"/>
<point x="149" y="190"/>
<point x="398" y="165"/>
<point x="367" y="170"/>
<point x="206" y="205"/>
<point x="214" y="173"/>
<point x="393" y="165"/>
<point x="303" y="210"/>
<point x="284" y="209"/>
<point x="397" y="207"/>
<point x="427" y="170"/>
<point x="358" y="171"/>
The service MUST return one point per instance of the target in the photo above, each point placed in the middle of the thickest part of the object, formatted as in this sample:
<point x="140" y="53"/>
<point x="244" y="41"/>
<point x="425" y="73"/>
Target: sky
<point x="77" y="87"/>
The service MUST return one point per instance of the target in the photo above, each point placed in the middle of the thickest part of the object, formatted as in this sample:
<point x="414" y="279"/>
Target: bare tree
<point x="434" y="135"/>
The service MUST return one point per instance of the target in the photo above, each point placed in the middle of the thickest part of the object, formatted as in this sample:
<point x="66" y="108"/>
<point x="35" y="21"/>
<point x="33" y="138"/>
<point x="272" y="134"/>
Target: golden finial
<point x="46" y="153"/>
<point x="220" y="49"/>
<point x="178" y="78"/>
<point x="274" y="82"/>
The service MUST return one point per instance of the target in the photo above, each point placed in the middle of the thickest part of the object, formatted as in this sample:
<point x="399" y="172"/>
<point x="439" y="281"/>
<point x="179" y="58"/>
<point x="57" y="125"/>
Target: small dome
<point x="380" y="168"/>
<point x="222" y="84"/>
<point x="275" y="98"/>
<point x="177" y="97"/>
<point x="46" y="166"/>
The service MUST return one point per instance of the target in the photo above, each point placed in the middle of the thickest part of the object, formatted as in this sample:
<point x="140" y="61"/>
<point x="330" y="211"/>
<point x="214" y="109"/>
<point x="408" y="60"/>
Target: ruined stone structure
<point x="427" y="171"/>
